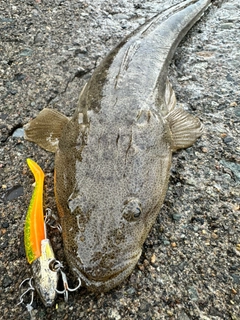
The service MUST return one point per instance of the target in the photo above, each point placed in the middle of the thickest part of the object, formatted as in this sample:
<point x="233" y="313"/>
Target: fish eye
<point x="132" y="210"/>
<point x="137" y="212"/>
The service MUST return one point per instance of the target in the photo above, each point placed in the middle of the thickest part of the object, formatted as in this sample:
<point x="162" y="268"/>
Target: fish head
<point x="110" y="198"/>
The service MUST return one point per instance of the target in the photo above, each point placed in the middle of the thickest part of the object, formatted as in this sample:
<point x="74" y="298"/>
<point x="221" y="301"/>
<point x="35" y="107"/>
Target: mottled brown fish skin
<point x="113" y="159"/>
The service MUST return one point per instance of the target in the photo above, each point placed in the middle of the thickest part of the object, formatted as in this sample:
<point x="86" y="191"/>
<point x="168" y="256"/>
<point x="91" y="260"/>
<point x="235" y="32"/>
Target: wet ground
<point x="190" y="266"/>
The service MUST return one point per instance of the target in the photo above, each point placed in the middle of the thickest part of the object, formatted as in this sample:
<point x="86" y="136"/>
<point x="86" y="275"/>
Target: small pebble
<point x="5" y="225"/>
<point x="227" y="140"/>
<point x="214" y="235"/>
<point x="234" y="291"/>
<point x="18" y="133"/>
<point x="153" y="258"/>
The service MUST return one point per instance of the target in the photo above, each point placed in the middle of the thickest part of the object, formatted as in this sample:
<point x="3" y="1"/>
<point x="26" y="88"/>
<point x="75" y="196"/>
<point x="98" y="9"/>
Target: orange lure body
<point x="34" y="230"/>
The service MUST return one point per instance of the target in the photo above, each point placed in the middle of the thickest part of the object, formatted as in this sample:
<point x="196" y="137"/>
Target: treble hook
<point x="51" y="220"/>
<point x="30" y="289"/>
<point x="66" y="289"/>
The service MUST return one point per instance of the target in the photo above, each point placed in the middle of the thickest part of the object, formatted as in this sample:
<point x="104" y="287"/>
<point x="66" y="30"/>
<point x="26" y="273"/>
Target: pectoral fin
<point x="46" y="129"/>
<point x="184" y="128"/>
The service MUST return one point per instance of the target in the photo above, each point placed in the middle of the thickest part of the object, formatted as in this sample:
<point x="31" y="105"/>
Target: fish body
<point x="113" y="156"/>
<point x="37" y="247"/>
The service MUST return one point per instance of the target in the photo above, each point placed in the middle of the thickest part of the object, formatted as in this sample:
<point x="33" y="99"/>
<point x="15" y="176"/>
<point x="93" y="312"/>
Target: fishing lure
<point x="39" y="252"/>
<point x="38" y="248"/>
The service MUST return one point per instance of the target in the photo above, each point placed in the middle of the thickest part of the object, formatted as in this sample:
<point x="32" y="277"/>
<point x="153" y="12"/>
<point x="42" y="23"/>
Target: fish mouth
<point x="110" y="280"/>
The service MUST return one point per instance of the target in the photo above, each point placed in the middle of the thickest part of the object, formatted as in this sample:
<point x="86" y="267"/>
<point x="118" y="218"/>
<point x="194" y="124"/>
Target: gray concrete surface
<point x="190" y="266"/>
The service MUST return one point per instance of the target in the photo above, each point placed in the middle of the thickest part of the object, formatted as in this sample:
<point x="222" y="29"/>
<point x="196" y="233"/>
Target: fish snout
<point x="106" y="274"/>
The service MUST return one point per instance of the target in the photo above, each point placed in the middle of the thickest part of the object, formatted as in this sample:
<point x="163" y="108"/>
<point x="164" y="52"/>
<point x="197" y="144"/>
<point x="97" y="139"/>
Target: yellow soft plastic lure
<point x="34" y="230"/>
<point x="38" y="248"/>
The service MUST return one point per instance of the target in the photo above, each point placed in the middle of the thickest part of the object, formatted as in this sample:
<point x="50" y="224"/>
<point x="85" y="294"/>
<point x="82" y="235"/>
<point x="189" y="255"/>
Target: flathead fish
<point x="113" y="156"/>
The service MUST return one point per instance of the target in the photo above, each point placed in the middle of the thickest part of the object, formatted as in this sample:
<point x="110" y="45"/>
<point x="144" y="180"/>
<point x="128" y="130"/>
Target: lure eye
<point x="132" y="210"/>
